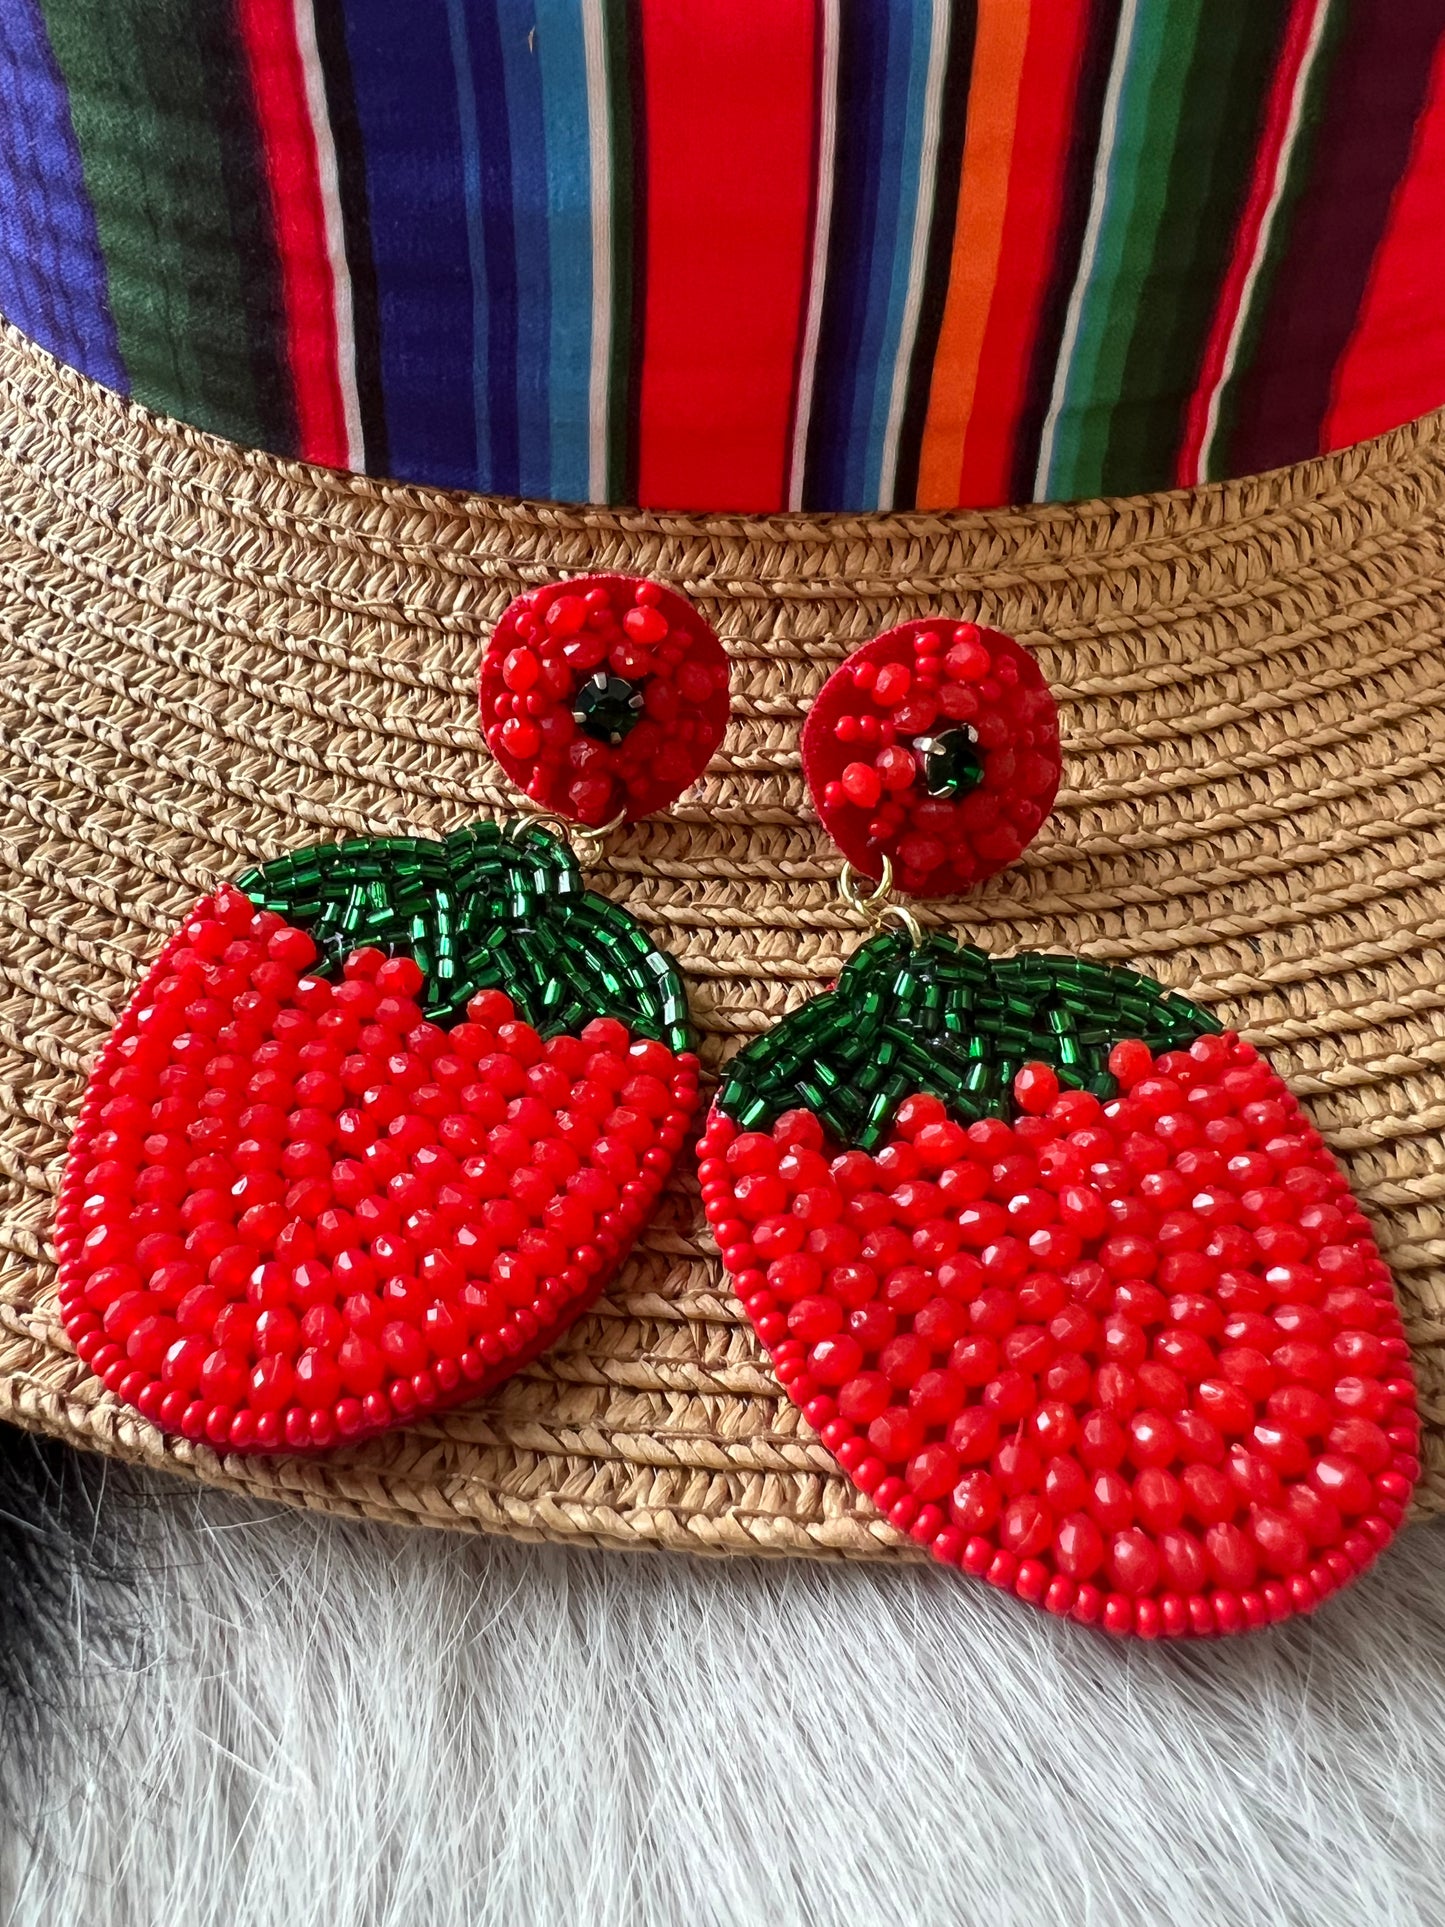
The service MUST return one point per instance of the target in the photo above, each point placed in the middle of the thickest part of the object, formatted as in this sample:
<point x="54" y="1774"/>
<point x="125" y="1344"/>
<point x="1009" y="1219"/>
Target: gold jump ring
<point x="875" y="907"/>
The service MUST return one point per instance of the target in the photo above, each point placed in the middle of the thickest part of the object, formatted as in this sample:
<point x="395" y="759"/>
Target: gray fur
<point x="326" y="1725"/>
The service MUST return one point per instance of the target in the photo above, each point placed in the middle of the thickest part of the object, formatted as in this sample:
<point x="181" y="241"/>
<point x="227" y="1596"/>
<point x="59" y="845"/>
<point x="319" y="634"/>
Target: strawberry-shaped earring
<point x="386" y="1115"/>
<point x="1059" y="1270"/>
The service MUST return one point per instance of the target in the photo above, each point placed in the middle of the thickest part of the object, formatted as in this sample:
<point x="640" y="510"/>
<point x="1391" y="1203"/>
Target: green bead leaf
<point x="483" y="909"/>
<point x="945" y="1019"/>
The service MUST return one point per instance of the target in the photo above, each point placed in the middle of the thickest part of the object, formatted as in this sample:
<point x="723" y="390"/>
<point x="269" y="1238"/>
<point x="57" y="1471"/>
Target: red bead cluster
<point x="551" y="643"/>
<point x="295" y="1213"/>
<point x="866" y="740"/>
<point x="1138" y="1362"/>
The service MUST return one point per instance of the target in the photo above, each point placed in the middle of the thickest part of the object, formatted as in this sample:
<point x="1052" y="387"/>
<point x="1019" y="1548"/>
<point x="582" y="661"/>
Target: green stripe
<point x="153" y="169"/>
<point x="1208" y="177"/>
<point x="1160" y="59"/>
<point x="1297" y="170"/>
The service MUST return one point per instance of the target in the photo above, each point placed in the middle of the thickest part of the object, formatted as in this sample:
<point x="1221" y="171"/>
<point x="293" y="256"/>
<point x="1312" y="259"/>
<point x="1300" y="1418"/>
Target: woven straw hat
<point x="211" y="654"/>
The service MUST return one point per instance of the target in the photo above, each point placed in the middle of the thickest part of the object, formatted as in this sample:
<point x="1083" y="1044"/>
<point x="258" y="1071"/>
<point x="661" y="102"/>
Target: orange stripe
<point x="993" y="101"/>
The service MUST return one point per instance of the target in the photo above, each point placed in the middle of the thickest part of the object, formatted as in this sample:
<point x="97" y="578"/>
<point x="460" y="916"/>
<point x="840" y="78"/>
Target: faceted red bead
<point x="1036" y="1087"/>
<point x="1182" y="1558"/>
<point x="1134" y="1562"/>
<point x="896" y="1434"/>
<point x="861" y="1399"/>
<point x="1231" y="1557"/>
<point x="1342" y="1482"/>
<point x="1281" y="1541"/>
<point x="974" y="1434"/>
<point x="1079" y="1546"/>
<point x="1027" y="1526"/>
<point x="933" y="1472"/>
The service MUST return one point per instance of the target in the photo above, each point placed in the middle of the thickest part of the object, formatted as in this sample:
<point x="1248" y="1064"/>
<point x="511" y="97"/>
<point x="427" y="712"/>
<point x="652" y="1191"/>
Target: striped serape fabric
<point x="740" y="254"/>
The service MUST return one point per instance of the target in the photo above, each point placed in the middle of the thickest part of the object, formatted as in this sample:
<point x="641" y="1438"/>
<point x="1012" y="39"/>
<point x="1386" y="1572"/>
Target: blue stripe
<point x="465" y="92"/>
<point x="563" y="55"/>
<point x="53" y="281"/>
<point x="908" y="51"/>
<point x="887" y="260"/>
<point x="838" y="432"/>
<point x="521" y="34"/>
<point x="401" y="56"/>
<point x="882" y="95"/>
<point x="889" y="164"/>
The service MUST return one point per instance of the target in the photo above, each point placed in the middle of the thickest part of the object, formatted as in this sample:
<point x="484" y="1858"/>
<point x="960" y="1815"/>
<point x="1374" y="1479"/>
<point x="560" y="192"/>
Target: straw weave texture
<point x="208" y="656"/>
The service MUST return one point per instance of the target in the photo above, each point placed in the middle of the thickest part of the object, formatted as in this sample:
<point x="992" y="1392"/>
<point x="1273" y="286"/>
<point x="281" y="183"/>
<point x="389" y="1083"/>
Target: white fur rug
<point x="267" y="1720"/>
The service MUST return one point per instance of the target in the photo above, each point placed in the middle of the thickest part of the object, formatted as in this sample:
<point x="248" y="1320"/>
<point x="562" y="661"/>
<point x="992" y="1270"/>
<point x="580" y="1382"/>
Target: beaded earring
<point x="386" y="1115"/>
<point x="1058" y="1269"/>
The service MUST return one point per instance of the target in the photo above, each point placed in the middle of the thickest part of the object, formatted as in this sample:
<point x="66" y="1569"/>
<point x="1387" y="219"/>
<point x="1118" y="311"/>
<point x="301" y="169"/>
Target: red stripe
<point x="1047" y="88"/>
<point x="268" y="30"/>
<point x="1246" y="240"/>
<point x="1393" y="368"/>
<point x="730" y="120"/>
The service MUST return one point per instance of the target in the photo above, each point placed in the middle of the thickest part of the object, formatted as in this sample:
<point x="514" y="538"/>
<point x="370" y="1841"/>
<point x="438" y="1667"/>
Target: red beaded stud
<point x="1149" y="1378"/>
<point x="603" y="696"/>
<point x="936" y="746"/>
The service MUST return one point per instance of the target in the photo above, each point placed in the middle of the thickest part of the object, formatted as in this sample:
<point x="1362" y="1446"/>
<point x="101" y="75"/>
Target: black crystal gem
<point x="607" y="707"/>
<point x="949" y="764"/>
